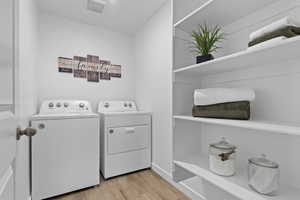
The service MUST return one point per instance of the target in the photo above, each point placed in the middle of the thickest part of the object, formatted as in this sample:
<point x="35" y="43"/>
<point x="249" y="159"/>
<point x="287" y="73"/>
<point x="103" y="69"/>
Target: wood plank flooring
<point x="143" y="185"/>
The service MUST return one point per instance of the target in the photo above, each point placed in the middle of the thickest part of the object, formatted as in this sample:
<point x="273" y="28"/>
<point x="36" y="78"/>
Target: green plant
<point x="206" y="39"/>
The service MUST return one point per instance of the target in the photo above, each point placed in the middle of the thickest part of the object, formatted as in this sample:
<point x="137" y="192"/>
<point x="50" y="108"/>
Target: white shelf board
<point x="220" y="12"/>
<point x="246" y="59"/>
<point x="236" y="185"/>
<point x="248" y="124"/>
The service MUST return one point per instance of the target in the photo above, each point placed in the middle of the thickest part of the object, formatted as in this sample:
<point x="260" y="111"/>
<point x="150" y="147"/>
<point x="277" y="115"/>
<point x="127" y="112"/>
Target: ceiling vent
<point x="96" y="5"/>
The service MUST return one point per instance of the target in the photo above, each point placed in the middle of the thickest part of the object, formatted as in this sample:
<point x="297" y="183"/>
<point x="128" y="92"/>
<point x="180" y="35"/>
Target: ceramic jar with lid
<point x="263" y="175"/>
<point x="222" y="158"/>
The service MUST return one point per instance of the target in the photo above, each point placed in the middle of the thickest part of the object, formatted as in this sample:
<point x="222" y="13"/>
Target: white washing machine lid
<point x="63" y="116"/>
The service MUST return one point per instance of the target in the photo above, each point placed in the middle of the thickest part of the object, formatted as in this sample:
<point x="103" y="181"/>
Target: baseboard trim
<point x="180" y="186"/>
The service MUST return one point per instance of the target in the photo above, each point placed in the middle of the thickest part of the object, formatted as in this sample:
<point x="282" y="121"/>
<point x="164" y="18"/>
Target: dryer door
<point x="125" y="139"/>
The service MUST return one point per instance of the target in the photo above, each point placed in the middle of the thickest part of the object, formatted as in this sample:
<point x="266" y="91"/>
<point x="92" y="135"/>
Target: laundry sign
<point x="79" y="66"/>
<point x="91" y="68"/>
<point x="65" y="65"/>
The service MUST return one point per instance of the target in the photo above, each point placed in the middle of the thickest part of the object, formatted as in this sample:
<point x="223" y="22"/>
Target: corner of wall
<point x="154" y="80"/>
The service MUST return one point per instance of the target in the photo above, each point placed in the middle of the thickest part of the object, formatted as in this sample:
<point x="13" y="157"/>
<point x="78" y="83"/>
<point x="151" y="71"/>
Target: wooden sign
<point x="91" y="68"/>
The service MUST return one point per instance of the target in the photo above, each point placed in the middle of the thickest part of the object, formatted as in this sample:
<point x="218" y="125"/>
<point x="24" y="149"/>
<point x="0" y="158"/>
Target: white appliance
<point x="125" y="135"/>
<point x="65" y="151"/>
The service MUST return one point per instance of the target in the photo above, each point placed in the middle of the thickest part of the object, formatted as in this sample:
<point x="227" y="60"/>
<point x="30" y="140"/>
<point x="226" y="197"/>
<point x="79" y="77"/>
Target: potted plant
<point x="205" y="42"/>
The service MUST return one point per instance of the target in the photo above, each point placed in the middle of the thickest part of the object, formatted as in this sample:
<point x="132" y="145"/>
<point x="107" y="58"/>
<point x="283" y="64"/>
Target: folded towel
<point x="212" y="96"/>
<point x="282" y="23"/>
<point x="288" y="32"/>
<point x="267" y="44"/>
<point x="234" y="110"/>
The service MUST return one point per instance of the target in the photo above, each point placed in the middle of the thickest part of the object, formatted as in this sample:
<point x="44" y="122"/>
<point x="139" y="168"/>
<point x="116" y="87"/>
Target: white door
<point x="7" y="154"/>
<point x="8" y="119"/>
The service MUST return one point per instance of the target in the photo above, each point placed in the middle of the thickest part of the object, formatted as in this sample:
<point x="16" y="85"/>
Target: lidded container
<point x="263" y="175"/>
<point x="222" y="158"/>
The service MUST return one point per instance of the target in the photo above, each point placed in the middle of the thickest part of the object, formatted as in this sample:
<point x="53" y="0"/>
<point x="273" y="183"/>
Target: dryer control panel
<point x="65" y="106"/>
<point x="117" y="106"/>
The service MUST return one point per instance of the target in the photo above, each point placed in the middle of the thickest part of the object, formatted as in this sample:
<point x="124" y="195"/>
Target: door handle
<point x="28" y="132"/>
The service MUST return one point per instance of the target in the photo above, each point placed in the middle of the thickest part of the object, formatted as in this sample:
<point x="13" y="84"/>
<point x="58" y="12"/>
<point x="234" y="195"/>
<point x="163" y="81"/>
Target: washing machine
<point x="125" y="135"/>
<point x="65" y="151"/>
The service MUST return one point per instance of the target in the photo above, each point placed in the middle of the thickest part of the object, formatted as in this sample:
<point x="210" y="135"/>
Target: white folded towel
<point x="287" y="21"/>
<point x="212" y="96"/>
<point x="268" y="44"/>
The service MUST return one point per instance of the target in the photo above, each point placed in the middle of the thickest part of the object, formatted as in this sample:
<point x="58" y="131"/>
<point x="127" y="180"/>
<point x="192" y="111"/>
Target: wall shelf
<point x="236" y="185"/>
<point x="246" y="59"/>
<point x="220" y="12"/>
<point x="255" y="125"/>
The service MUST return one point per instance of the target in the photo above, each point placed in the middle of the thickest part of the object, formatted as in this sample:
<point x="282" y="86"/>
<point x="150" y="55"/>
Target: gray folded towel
<point x="233" y="110"/>
<point x="288" y="31"/>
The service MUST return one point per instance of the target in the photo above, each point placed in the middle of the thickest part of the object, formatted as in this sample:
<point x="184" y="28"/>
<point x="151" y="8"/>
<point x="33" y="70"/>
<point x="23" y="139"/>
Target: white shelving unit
<point x="236" y="185"/>
<point x="245" y="59"/>
<point x="191" y="136"/>
<point x="255" y="125"/>
<point x="220" y="12"/>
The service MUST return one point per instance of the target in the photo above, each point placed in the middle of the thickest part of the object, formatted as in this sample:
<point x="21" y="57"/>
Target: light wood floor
<point x="143" y="185"/>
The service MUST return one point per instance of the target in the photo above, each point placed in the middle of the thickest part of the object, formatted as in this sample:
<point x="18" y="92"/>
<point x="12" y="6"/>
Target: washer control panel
<point x="65" y="106"/>
<point x="117" y="106"/>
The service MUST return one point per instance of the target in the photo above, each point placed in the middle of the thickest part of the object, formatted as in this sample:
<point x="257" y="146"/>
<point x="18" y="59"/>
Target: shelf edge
<point x="228" y="186"/>
<point x="254" y="125"/>
<point x="186" y="17"/>
<point x="235" y="55"/>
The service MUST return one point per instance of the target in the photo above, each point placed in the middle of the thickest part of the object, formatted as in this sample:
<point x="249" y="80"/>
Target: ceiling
<point x="120" y="15"/>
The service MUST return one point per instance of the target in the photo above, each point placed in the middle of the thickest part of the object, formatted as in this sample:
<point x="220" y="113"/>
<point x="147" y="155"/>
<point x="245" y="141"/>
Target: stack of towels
<point x="224" y="103"/>
<point x="274" y="33"/>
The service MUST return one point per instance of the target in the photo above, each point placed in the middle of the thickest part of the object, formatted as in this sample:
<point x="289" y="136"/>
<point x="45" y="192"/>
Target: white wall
<point x="153" y="48"/>
<point x="63" y="37"/>
<point x="27" y="95"/>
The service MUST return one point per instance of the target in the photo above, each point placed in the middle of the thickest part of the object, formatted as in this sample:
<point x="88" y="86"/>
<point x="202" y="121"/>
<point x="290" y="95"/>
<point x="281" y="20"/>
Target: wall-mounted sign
<point x="115" y="71"/>
<point x="93" y="76"/>
<point x="79" y="66"/>
<point x="91" y="67"/>
<point x="104" y="69"/>
<point x="65" y="65"/>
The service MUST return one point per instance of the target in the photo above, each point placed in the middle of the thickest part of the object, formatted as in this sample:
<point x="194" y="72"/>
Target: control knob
<point x="81" y="105"/>
<point x="51" y="105"/>
<point x="106" y="105"/>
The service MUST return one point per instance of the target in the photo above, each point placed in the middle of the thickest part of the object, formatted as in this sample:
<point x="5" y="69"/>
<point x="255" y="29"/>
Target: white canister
<point x="263" y="175"/>
<point x="222" y="158"/>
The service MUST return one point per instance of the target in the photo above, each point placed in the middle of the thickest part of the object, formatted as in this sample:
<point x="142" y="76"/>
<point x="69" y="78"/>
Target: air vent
<point x="96" y="5"/>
